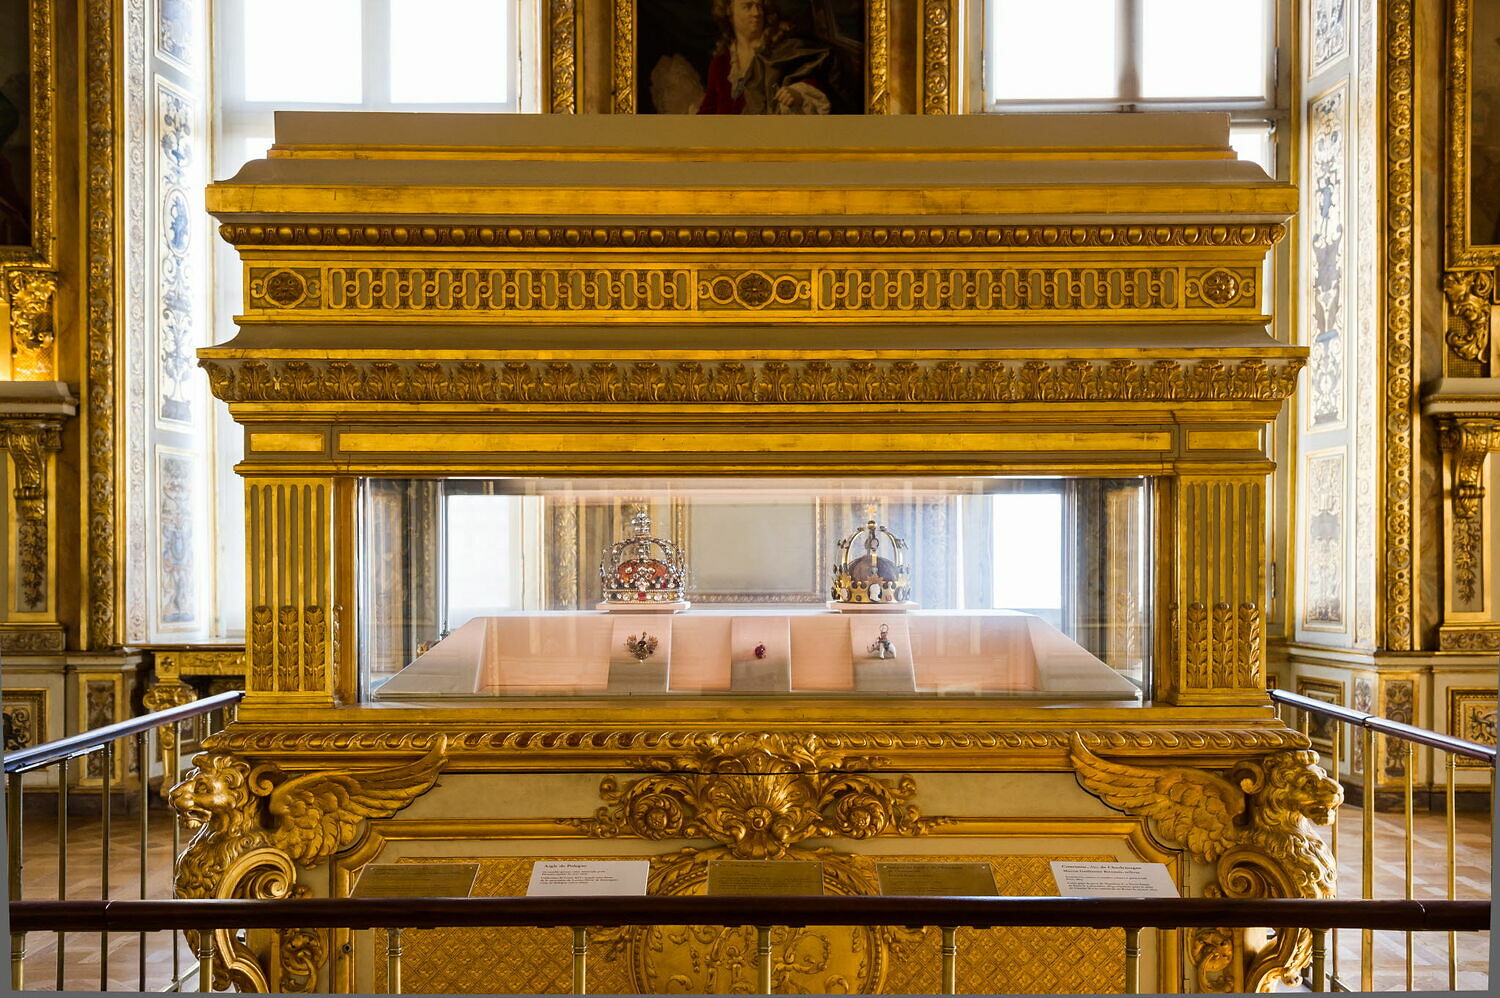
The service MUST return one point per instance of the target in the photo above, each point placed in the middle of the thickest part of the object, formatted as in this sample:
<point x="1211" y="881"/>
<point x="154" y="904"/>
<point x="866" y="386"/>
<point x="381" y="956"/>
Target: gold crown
<point x="642" y="568"/>
<point x="869" y="577"/>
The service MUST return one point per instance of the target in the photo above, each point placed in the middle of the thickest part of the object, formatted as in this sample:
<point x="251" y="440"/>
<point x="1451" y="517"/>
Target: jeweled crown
<point x="642" y="568"/>
<point x="871" y="577"/>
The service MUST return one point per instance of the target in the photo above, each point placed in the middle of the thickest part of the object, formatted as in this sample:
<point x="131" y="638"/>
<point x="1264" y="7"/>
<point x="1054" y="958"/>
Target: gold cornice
<point x="634" y="238"/>
<point x="772" y="381"/>
<point x="1062" y="199"/>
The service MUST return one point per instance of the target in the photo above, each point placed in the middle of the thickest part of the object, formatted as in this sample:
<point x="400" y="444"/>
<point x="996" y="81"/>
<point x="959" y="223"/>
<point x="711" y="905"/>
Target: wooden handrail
<point x="86" y="741"/>
<point x="1407" y="732"/>
<point x="977" y="912"/>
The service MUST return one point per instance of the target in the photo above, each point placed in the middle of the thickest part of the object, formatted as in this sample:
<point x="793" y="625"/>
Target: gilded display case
<point x="760" y="335"/>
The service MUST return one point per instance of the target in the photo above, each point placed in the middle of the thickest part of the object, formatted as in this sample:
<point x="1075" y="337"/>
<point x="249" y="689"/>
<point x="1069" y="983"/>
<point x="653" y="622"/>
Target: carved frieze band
<point x="29" y="441"/>
<point x="937" y="57"/>
<point x="1471" y="296"/>
<point x="626" y="743"/>
<point x="771" y="381"/>
<point x="484" y="292"/>
<point x="562" y="237"/>
<point x="30" y="292"/>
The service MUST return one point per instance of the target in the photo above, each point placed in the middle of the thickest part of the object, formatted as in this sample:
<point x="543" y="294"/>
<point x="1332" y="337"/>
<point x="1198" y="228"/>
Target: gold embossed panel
<point x="810" y="960"/>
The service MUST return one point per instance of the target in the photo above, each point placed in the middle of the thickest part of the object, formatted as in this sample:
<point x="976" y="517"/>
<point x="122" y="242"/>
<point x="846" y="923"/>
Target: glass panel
<point x="1015" y="587"/>
<point x="318" y="61"/>
<point x="1253" y="143"/>
<point x="1060" y="50"/>
<point x="1195" y="49"/>
<point x="450" y="51"/>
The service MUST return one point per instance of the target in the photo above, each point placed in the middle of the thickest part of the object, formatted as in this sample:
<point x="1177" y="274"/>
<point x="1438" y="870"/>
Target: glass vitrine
<point x="1008" y="587"/>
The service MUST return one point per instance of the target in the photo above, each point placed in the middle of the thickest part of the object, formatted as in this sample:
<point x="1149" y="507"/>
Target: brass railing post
<point x="763" y="958"/>
<point x="1319" y="956"/>
<point x="104" y="831"/>
<point x="176" y="844"/>
<point x="1132" y="961"/>
<point x="1336" y="742"/>
<point x="62" y="862"/>
<point x="950" y="959"/>
<point x="1409" y="764"/>
<point x="1452" y="802"/>
<point x="143" y="801"/>
<point x="580" y="959"/>
<point x="205" y="960"/>
<point x="1367" y="861"/>
<point x="13" y="819"/>
<point x="393" y="960"/>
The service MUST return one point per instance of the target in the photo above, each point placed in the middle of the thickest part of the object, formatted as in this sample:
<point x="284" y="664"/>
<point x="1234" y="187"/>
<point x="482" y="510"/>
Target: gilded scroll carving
<point x="754" y="381"/>
<point x="253" y="825"/>
<point x="33" y="333"/>
<point x="29" y="442"/>
<point x="1253" y="825"/>
<point x="1470" y="294"/>
<point x="1470" y="441"/>
<point x="878" y="49"/>
<point x="758" y="795"/>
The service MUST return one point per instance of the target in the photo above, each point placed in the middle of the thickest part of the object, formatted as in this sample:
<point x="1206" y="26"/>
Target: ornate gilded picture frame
<point x="754" y="552"/>
<point x="826" y="56"/>
<point x="27" y="86"/>
<point x="1473" y="174"/>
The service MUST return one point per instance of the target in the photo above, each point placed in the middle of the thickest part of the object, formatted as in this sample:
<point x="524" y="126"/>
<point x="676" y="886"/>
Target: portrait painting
<point x="15" y="123"/>
<point x="750" y="56"/>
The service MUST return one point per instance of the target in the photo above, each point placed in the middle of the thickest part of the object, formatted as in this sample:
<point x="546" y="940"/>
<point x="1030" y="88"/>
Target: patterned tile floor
<point x="85" y="853"/>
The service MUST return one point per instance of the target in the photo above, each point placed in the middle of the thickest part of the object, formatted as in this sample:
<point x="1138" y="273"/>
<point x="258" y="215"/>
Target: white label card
<point x="588" y="878"/>
<point x="1113" y="880"/>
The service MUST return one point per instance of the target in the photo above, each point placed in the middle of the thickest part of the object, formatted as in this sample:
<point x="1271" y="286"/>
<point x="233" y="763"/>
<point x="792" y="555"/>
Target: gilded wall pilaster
<point x="294" y="601"/>
<point x="1217" y="543"/>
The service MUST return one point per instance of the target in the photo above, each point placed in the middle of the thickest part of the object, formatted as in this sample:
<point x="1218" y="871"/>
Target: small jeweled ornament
<point x="882" y="647"/>
<point x="641" y="648"/>
<point x="642" y="572"/>
<point x="872" y="580"/>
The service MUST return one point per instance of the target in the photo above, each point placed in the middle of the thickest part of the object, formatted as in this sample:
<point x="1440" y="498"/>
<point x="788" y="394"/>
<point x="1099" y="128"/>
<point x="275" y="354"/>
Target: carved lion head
<point x="216" y="788"/>
<point x="1297" y="785"/>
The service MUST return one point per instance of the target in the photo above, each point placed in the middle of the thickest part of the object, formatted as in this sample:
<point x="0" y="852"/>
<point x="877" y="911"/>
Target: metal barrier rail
<point x="59" y="753"/>
<point x="395" y="915"/>
<point x="1406" y="736"/>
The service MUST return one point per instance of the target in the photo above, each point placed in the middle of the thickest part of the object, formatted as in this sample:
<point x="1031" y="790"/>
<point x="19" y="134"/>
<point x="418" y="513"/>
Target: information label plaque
<point x="588" y="878"/>
<point x="937" y="879"/>
<point x="1113" y="880"/>
<point x="416" y="880"/>
<point x="751" y="876"/>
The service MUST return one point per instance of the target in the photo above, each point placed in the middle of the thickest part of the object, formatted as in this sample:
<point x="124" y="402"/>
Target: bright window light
<point x="450" y="51"/>
<point x="302" y="51"/>
<point x="1058" y="50"/>
<point x="1028" y="550"/>
<point x="1195" y="49"/>
<point x="481" y="532"/>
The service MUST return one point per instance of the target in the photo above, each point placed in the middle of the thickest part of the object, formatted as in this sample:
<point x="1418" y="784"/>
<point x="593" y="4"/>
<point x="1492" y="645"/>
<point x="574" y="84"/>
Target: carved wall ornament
<point x="937" y="57"/>
<point x="1471" y="295"/>
<point x="1470" y="440"/>
<point x="562" y="43"/>
<point x="29" y="441"/>
<point x="33" y="333"/>
<point x="254" y="824"/>
<point x="1260" y="235"/>
<point x="758" y="795"/>
<point x="1222" y="647"/>
<point x="752" y="381"/>
<point x="1253" y="825"/>
<point x="1398" y="602"/>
